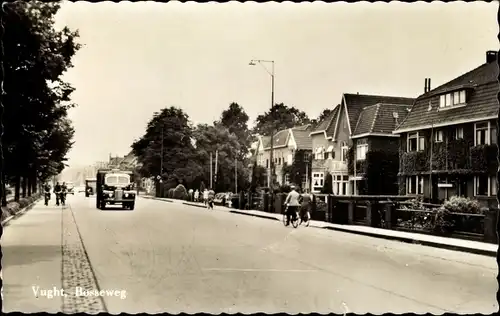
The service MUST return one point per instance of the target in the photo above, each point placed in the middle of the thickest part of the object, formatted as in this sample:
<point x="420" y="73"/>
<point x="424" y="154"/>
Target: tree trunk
<point x="24" y="186"/>
<point x="30" y="184"/>
<point x="17" y="188"/>
<point x="35" y="183"/>
<point x="4" y="193"/>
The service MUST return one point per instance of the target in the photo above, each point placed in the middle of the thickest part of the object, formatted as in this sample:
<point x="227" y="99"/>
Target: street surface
<point x="174" y="258"/>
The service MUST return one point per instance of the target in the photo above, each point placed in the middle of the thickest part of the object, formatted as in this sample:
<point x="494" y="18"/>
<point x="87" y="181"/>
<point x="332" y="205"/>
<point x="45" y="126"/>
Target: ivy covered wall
<point x="452" y="156"/>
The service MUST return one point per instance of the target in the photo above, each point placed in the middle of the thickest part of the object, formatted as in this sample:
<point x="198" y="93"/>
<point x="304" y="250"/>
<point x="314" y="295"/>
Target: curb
<point x="158" y="199"/>
<point x="416" y="241"/>
<point x="254" y="215"/>
<point x="483" y="252"/>
<point x="21" y="212"/>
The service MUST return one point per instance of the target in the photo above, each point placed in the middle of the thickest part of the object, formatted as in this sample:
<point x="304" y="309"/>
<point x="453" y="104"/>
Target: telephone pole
<point x="211" y="176"/>
<point x="216" y="159"/>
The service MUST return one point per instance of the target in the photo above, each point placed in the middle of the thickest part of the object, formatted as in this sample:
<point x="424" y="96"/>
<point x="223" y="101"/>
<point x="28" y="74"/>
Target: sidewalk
<point x="475" y="247"/>
<point x="31" y="247"/>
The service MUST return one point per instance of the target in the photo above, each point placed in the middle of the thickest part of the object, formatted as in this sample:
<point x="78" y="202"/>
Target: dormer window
<point x="448" y="100"/>
<point x="415" y="142"/>
<point x="319" y="154"/>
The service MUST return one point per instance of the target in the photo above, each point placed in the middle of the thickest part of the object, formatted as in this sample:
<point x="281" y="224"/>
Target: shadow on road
<point x="28" y="254"/>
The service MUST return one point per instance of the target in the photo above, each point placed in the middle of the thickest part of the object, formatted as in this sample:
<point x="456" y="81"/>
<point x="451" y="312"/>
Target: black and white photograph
<point x="245" y="157"/>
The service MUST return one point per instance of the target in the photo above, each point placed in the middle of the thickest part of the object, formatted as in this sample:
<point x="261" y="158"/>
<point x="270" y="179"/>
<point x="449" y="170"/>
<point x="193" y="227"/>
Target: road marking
<point x="256" y="270"/>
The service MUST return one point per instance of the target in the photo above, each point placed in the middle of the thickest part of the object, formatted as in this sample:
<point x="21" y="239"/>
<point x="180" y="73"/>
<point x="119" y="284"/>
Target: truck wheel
<point x="86" y="194"/>
<point x="103" y="205"/>
<point x="131" y="206"/>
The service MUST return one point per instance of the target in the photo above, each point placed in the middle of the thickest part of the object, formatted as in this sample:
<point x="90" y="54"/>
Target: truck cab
<point x="115" y="187"/>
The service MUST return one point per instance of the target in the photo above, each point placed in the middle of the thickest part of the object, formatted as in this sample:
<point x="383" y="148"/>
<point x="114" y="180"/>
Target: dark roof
<point x="279" y="139"/>
<point x="328" y="123"/>
<point x="355" y="103"/>
<point x="379" y="118"/>
<point x="481" y="99"/>
<point x="302" y="139"/>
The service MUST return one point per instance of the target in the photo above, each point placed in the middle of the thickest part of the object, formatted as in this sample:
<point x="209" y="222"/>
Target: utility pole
<point x="211" y="176"/>
<point x="216" y="159"/>
<point x="161" y="161"/>
<point x="235" y="176"/>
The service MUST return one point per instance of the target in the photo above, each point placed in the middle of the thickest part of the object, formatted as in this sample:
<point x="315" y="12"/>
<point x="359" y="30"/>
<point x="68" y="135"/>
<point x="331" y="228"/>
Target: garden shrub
<point x="170" y="193"/>
<point x="180" y="192"/>
<point x="458" y="204"/>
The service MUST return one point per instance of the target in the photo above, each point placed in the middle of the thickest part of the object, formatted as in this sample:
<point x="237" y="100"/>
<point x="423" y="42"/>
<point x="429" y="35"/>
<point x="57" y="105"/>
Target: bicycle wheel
<point x="284" y="218"/>
<point x="295" y="223"/>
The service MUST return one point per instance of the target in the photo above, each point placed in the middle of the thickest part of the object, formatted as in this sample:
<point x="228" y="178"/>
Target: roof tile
<point x="481" y="102"/>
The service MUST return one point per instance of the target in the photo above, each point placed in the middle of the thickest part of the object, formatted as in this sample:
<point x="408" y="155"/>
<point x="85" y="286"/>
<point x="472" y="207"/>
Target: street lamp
<point x="254" y="62"/>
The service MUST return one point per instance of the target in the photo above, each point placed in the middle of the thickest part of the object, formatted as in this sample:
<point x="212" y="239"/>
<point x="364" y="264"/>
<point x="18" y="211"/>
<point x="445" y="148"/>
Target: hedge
<point x="180" y="192"/>
<point x="13" y="208"/>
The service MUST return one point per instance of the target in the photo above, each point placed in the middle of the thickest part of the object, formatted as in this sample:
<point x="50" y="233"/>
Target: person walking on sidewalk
<point x="196" y="195"/>
<point x="57" y="192"/>
<point x="211" y="197"/>
<point x="46" y="189"/>
<point x="292" y="204"/>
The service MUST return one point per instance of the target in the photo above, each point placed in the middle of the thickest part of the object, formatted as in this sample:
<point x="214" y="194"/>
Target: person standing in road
<point x="211" y="197"/>
<point x="292" y="203"/>
<point x="205" y="197"/>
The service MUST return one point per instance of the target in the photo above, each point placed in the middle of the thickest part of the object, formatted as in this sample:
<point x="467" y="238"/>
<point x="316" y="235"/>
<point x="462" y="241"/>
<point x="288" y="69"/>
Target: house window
<point x="287" y="179"/>
<point x="319" y="154"/>
<point x="421" y="142"/>
<point x="267" y="163"/>
<point x="290" y="158"/>
<point x="438" y="136"/>
<point x="330" y="154"/>
<point x="459" y="133"/>
<point x="279" y="161"/>
<point x="452" y="99"/>
<point x="361" y="151"/>
<point x="481" y="185"/>
<point x="317" y="181"/>
<point x="412" y="142"/>
<point x="344" y="150"/>
<point x="481" y="133"/>
<point x="415" y="185"/>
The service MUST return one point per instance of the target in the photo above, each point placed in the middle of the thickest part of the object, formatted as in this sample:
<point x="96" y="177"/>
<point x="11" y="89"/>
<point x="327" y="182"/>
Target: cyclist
<point x="305" y="208"/>
<point x="211" y="197"/>
<point x="292" y="205"/>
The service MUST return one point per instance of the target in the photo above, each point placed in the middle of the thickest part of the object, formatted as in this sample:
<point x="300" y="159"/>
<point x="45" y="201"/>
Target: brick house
<point x="286" y="143"/>
<point x="375" y="149"/>
<point x="448" y="143"/>
<point x="331" y="140"/>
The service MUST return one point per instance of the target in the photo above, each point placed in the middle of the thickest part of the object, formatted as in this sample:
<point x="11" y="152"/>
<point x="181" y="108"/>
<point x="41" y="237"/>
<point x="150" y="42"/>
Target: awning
<point x="319" y="150"/>
<point x="330" y="149"/>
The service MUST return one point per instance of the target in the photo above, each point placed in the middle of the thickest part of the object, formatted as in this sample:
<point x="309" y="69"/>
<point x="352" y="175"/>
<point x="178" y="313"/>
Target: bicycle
<point x="294" y="220"/>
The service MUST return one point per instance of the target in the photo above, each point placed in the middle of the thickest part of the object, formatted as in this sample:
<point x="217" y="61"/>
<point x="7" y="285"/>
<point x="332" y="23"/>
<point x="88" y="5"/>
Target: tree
<point x="36" y="99"/>
<point x="235" y="119"/>
<point x="179" y="164"/>
<point x="301" y="163"/>
<point x="259" y="175"/>
<point x="278" y="118"/>
<point x="210" y="139"/>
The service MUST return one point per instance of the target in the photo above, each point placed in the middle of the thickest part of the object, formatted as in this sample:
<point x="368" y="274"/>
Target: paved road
<point x="177" y="258"/>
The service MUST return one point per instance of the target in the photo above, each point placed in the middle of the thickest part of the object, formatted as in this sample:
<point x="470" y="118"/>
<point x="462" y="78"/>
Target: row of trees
<point x="187" y="148"/>
<point x="36" y="131"/>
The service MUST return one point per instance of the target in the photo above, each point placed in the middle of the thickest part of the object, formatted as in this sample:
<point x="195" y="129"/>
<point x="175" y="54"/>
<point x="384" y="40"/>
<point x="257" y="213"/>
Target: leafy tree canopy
<point x="278" y="118"/>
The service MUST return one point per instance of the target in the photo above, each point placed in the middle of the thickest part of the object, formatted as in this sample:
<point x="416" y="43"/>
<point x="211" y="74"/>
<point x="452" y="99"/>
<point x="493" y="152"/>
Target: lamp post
<point x="254" y="62"/>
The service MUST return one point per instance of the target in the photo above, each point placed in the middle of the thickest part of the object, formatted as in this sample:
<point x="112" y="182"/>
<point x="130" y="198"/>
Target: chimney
<point x="425" y="86"/>
<point x="428" y="84"/>
<point x="491" y="56"/>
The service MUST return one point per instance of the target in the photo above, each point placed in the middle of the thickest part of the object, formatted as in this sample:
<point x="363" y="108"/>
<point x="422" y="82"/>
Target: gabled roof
<point x="281" y="137"/>
<point x="481" y="102"/>
<point x="355" y="103"/>
<point x="302" y="138"/>
<point x="328" y="124"/>
<point x="379" y="118"/>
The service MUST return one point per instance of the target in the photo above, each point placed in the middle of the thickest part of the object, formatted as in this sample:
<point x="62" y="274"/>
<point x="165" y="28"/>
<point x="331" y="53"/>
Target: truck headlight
<point x="126" y="195"/>
<point x="110" y="194"/>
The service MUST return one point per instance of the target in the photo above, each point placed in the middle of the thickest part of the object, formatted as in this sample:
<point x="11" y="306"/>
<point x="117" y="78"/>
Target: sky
<point x="138" y="58"/>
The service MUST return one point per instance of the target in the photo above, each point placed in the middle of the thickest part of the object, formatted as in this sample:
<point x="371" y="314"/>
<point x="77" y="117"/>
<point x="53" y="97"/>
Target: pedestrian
<point x="292" y="204"/>
<point x="205" y="196"/>
<point x="190" y="194"/>
<point x="306" y="206"/>
<point x="196" y="195"/>
<point x="211" y="197"/>
<point x="57" y="192"/>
